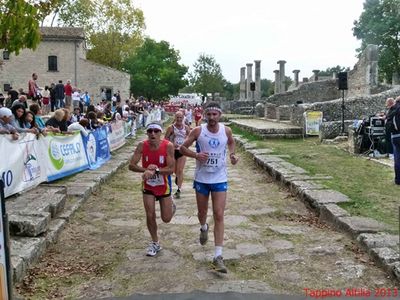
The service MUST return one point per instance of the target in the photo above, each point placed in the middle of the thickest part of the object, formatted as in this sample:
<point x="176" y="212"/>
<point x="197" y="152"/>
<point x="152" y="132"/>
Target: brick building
<point x="61" y="55"/>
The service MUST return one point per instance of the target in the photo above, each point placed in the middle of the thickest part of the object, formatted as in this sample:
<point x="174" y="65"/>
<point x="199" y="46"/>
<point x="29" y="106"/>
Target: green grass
<point x="368" y="184"/>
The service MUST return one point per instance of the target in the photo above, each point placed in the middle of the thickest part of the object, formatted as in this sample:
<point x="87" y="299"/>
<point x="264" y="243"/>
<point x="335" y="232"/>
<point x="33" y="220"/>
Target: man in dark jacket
<point x="393" y="121"/>
<point x="59" y="93"/>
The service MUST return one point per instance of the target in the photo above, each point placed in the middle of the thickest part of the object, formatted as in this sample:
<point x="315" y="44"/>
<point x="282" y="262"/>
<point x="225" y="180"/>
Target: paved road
<point x="273" y="245"/>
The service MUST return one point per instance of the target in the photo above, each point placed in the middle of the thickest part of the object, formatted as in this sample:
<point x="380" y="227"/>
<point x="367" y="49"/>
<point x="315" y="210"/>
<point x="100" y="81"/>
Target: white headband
<point x="154" y="126"/>
<point x="213" y="108"/>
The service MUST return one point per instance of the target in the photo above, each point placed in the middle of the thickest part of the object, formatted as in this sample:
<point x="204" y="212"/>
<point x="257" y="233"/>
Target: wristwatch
<point x="157" y="171"/>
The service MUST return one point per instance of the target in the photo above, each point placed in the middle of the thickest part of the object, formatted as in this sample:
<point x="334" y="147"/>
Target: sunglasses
<point x="153" y="130"/>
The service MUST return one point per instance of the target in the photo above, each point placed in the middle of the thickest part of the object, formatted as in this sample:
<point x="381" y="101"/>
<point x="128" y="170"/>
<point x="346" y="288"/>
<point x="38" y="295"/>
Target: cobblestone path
<point x="272" y="245"/>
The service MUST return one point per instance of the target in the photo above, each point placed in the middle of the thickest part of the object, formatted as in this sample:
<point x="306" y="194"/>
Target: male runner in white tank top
<point x="212" y="139"/>
<point x="177" y="133"/>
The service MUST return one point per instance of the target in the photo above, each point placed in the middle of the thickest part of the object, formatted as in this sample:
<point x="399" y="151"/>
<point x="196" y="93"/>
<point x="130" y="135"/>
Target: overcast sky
<point x="308" y="34"/>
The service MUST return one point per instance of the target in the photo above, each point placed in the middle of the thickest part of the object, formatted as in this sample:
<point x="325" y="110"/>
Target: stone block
<point x="79" y="191"/>
<point x="357" y="225"/>
<point x="316" y="198"/>
<point x="55" y="228"/>
<point x="27" y="203"/>
<point x="57" y="203"/>
<point x="28" y="249"/>
<point x="385" y="255"/>
<point x="396" y="270"/>
<point x="18" y="267"/>
<point x="298" y="186"/>
<point x="72" y="208"/>
<point x="378" y="240"/>
<point x="330" y="213"/>
<point x="28" y="224"/>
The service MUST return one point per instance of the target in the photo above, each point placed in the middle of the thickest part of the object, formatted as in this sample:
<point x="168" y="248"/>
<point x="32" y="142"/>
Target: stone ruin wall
<point x="363" y="78"/>
<point x="355" y="108"/>
<point x="309" y="92"/>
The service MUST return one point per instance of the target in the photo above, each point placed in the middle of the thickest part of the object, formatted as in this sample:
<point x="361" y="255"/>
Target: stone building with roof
<point x="61" y="55"/>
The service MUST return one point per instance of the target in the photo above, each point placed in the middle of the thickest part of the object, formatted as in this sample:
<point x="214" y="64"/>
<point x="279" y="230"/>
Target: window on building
<point x="6" y="87"/>
<point x="6" y="55"/>
<point x="53" y="63"/>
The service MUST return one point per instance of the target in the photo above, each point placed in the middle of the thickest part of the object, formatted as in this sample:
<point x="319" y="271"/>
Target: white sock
<point x="218" y="251"/>
<point x="204" y="227"/>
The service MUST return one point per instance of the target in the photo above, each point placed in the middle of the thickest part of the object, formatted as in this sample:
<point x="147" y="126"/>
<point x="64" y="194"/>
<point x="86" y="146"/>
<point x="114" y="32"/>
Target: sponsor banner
<point x="96" y="147"/>
<point x="313" y="122"/>
<point x="116" y="135"/>
<point x="128" y="128"/>
<point x="65" y="154"/>
<point x="22" y="166"/>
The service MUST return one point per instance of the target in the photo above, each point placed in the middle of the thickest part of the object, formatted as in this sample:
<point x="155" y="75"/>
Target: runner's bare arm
<point x="168" y="133"/>
<point x="231" y="146"/>
<point x="193" y="136"/>
<point x="137" y="155"/>
<point x="184" y="149"/>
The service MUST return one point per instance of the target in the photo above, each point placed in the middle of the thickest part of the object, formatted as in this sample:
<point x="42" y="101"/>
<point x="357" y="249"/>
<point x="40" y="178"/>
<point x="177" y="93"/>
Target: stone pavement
<point x="273" y="244"/>
<point x="268" y="128"/>
<point x="382" y="247"/>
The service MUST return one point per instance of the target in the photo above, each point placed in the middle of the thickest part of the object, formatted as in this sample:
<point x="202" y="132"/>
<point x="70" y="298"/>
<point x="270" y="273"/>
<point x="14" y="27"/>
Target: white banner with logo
<point x="116" y="134"/>
<point x="65" y="154"/>
<point x="21" y="165"/>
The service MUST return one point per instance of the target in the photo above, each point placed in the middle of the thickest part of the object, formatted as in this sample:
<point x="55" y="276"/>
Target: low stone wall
<point x="330" y="130"/>
<point x="239" y="107"/>
<point x="310" y="92"/>
<point x="355" y="107"/>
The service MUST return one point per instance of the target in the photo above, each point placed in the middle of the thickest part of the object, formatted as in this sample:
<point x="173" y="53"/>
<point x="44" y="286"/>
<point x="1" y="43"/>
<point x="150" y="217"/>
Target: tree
<point x="379" y="24"/>
<point x="155" y="70"/>
<point x="19" y="23"/>
<point x="207" y="75"/>
<point x="114" y="28"/>
<point x="267" y="88"/>
<point x="330" y="71"/>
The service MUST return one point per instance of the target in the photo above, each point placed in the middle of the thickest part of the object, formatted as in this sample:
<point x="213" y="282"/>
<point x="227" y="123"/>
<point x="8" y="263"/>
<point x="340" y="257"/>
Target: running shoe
<point x="203" y="236"/>
<point x="177" y="194"/>
<point x="153" y="249"/>
<point x="218" y="264"/>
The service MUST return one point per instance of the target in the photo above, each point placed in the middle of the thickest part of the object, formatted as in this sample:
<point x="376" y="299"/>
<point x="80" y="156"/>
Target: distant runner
<point x="157" y="157"/>
<point x="177" y="133"/>
<point x="211" y="174"/>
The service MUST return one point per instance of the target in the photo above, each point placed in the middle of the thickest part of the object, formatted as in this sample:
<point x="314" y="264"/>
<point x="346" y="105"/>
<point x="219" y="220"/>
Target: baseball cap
<point x="5" y="112"/>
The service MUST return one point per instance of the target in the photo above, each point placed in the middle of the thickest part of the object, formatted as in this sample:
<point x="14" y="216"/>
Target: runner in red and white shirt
<point x="157" y="156"/>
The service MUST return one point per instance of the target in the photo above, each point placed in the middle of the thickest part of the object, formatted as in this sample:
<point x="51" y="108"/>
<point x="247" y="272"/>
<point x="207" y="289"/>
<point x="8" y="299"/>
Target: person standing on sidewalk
<point x="157" y="156"/>
<point x="210" y="176"/>
<point x="177" y="133"/>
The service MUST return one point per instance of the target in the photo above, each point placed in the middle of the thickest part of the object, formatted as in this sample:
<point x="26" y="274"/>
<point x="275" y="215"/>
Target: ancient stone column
<point x="249" y="79"/>
<point x="282" y="75"/>
<point x="277" y="82"/>
<point x="316" y="72"/>
<point x="257" y="72"/>
<point x="296" y="77"/>
<point x="242" y="83"/>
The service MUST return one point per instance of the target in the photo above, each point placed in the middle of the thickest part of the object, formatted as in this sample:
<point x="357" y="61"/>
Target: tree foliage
<point x="19" y="23"/>
<point x="114" y="28"/>
<point x="379" y="24"/>
<point x="330" y="71"/>
<point x="155" y="70"/>
<point x="207" y="76"/>
<point x="267" y="88"/>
